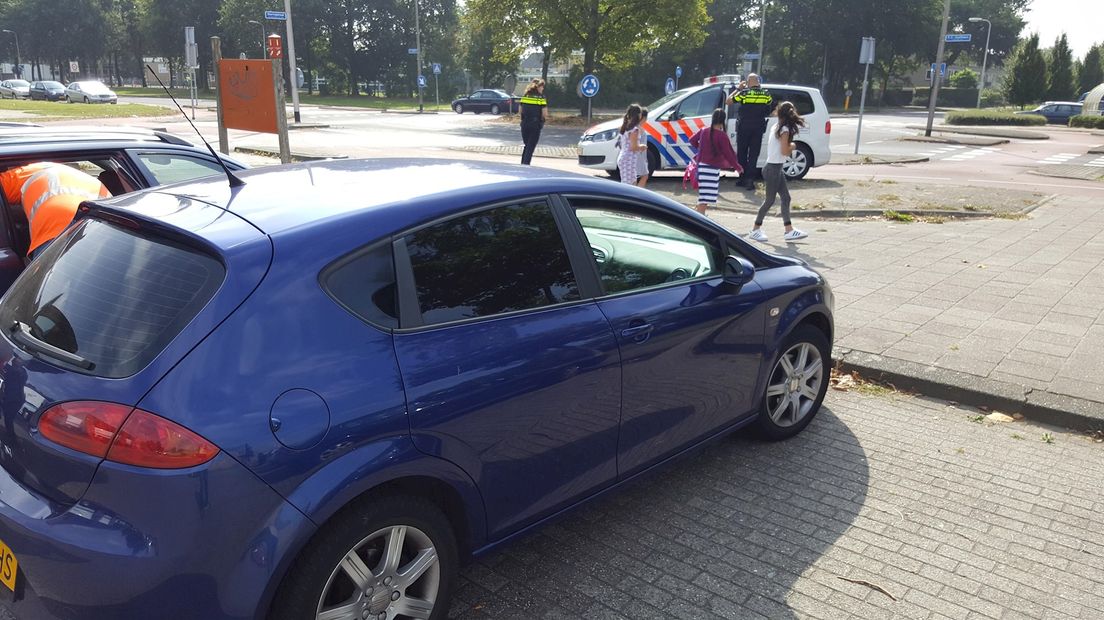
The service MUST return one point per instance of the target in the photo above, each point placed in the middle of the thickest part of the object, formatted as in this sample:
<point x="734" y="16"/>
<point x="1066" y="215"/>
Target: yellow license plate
<point x="9" y="566"/>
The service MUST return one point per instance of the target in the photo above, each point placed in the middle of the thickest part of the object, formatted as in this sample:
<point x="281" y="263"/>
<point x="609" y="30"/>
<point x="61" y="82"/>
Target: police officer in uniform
<point x="756" y="105"/>
<point x="534" y="111"/>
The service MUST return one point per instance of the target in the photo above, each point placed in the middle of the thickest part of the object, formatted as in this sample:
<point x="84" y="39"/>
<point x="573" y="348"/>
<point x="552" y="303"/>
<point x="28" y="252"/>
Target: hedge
<point x="953" y="97"/>
<point x="990" y="117"/>
<point x="1086" y="121"/>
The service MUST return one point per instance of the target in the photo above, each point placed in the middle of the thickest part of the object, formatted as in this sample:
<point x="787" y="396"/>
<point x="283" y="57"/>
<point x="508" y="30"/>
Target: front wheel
<point x="796" y="385"/>
<point x="458" y="108"/>
<point x="390" y="557"/>
<point x="798" y="164"/>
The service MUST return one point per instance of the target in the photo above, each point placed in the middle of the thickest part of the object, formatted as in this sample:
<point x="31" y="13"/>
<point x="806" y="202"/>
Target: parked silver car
<point x="15" y="89"/>
<point x="90" y="92"/>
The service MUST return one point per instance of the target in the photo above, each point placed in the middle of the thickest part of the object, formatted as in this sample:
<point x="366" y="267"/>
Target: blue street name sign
<point x="276" y="15"/>
<point x="942" y="69"/>
<point x="411" y="50"/>
<point x="959" y="38"/>
<point x="669" y="86"/>
<point x="436" y="68"/>
<point x="588" y="86"/>
<point x="751" y="56"/>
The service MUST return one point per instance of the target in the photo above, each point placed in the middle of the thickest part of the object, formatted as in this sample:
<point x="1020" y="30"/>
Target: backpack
<point x="690" y="176"/>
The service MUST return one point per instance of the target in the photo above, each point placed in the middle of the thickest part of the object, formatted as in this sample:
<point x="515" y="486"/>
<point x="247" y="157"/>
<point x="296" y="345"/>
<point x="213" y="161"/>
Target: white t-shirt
<point x="774" y="145"/>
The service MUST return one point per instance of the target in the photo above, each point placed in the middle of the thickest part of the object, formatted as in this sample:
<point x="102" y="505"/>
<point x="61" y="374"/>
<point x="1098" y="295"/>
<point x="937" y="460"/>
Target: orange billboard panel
<point x="247" y="95"/>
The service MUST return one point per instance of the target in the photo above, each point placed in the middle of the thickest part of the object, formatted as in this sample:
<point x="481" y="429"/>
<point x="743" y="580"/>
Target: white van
<point x="676" y="117"/>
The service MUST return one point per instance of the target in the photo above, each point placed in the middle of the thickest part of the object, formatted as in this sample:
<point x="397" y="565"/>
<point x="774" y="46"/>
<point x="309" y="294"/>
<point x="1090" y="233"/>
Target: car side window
<point x="365" y="285"/>
<point x="173" y="167"/>
<point x="634" y="250"/>
<point x="491" y="262"/>
<point x="802" y="100"/>
<point x="701" y="103"/>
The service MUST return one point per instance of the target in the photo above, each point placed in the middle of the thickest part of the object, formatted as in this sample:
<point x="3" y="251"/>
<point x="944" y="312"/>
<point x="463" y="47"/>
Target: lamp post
<point x="985" y="58"/>
<point x="418" y="56"/>
<point x="264" y="52"/>
<point x="18" y="67"/>
<point x="762" y="34"/>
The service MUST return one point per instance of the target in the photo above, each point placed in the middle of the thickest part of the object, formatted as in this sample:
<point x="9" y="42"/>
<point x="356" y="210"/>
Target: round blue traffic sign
<point x="678" y="71"/>
<point x="588" y="86"/>
<point x="669" y="87"/>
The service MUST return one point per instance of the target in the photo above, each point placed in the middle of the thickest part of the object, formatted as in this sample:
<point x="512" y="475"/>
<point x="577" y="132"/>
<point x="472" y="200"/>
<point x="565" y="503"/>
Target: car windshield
<point x="19" y="83"/>
<point x="52" y="85"/>
<point x="96" y="88"/>
<point x="654" y="106"/>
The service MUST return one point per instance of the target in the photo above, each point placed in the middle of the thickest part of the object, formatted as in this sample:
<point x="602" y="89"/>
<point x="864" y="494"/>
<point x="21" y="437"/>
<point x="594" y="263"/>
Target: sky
<point x="1081" y="20"/>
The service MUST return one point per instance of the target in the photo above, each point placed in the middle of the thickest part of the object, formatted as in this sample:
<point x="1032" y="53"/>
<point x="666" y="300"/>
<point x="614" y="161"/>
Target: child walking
<point x="629" y="142"/>
<point x="714" y="154"/>
<point x="779" y="147"/>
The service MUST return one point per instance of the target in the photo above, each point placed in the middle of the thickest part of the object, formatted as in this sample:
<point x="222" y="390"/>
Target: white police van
<point x="675" y="118"/>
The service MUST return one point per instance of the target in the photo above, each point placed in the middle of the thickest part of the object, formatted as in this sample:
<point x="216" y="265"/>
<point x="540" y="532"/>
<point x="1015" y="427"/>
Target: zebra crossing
<point x="1059" y="158"/>
<point x="1096" y="163"/>
<point x="956" y="152"/>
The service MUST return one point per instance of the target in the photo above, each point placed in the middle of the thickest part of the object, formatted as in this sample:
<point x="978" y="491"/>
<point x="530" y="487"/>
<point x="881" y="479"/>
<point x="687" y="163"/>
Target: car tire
<point x="614" y="174"/>
<point x="68" y="99"/>
<point x="458" y="108"/>
<point x="358" y="538"/>
<point x="797" y="165"/>
<point x="494" y="108"/>
<point x="796" y="384"/>
<point x="653" y="160"/>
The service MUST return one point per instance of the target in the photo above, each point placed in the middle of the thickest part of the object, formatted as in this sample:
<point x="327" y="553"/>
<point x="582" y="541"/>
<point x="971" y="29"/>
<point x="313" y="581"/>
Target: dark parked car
<point x="315" y="395"/>
<point x="1056" y="111"/>
<point x="124" y="160"/>
<point x="487" y="100"/>
<point x="47" y="91"/>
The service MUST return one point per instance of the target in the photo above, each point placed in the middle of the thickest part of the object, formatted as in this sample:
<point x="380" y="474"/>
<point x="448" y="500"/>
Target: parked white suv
<point x="675" y="118"/>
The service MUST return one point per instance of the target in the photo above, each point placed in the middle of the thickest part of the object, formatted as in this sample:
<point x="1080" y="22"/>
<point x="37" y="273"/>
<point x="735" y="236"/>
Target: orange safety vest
<point x="50" y="193"/>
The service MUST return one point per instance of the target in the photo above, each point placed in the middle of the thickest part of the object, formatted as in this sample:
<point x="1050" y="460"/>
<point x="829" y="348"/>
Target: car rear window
<point x="802" y="100"/>
<point x="111" y="296"/>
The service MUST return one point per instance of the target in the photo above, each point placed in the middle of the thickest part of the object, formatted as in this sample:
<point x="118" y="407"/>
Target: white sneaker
<point x="794" y="235"/>
<point x="758" y="235"/>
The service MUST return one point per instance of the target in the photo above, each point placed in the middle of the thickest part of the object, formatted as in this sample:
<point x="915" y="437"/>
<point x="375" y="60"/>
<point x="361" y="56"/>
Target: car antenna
<point x="234" y="181"/>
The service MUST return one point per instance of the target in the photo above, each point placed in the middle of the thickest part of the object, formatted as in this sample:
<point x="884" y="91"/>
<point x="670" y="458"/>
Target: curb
<point x="964" y="140"/>
<point x="295" y="157"/>
<point x="1037" y="406"/>
<point x="1097" y="150"/>
<point x="294" y="126"/>
<point x="996" y="132"/>
<point x="886" y="162"/>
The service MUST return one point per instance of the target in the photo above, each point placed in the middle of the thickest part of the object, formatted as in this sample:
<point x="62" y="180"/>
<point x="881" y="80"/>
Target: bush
<point x="992" y="98"/>
<point x="954" y="97"/>
<point x="964" y="78"/>
<point x="894" y="97"/>
<point x="990" y="117"/>
<point x="1086" y="121"/>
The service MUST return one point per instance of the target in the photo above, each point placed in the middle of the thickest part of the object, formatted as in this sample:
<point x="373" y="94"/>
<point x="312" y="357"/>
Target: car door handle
<point x="638" y="333"/>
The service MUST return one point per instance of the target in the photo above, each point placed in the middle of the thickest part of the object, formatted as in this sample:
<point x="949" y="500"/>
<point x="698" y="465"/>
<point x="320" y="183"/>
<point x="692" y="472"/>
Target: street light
<point x="264" y="53"/>
<point x="985" y="58"/>
<point x="762" y="33"/>
<point x="18" y="68"/>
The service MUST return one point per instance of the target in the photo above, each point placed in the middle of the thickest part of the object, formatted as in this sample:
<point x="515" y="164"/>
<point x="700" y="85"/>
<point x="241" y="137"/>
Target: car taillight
<point x="125" y="435"/>
<point x="828" y="128"/>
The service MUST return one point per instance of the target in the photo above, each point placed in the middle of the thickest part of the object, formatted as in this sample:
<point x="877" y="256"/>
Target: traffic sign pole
<point x="938" y="60"/>
<point x="291" y="63"/>
<point x="866" y="57"/>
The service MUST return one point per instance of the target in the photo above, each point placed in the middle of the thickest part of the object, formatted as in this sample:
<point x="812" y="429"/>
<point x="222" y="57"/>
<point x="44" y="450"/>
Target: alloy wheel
<point x="795" y="384"/>
<point x="795" y="165"/>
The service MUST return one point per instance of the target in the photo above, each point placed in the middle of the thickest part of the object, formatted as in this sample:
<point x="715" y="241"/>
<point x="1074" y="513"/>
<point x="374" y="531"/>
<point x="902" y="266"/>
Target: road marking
<point x="1096" y="163"/>
<point x="972" y="153"/>
<point x="1035" y="184"/>
<point x="1059" y="158"/>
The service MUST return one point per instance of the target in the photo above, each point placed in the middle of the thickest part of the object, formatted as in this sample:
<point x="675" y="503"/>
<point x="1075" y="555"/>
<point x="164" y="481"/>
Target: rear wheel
<point x="798" y="164"/>
<point x="494" y="108"/>
<point x="390" y="558"/>
<point x="797" y="383"/>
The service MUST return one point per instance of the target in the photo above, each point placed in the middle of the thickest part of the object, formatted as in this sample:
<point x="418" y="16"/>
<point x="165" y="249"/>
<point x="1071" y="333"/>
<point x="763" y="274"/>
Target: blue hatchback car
<point x="317" y="394"/>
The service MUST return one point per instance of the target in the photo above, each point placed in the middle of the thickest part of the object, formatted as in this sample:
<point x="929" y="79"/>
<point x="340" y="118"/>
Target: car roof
<point x="59" y="135"/>
<point x="392" y="193"/>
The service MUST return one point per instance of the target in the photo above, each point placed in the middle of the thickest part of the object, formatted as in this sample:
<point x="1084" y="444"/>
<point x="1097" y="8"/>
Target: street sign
<point x="421" y="81"/>
<point x="942" y="70"/>
<point x="275" y="46"/>
<point x="279" y="16"/>
<point x="411" y="50"/>
<point x="866" y="53"/>
<point x="959" y="38"/>
<point x="669" y="86"/>
<point x="678" y="71"/>
<point x="74" y="66"/>
<point x="588" y="86"/>
<point x="751" y="56"/>
<point x="436" y="68"/>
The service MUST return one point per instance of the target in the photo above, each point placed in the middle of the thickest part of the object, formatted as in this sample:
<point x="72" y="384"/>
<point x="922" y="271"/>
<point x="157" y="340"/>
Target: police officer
<point x="756" y="105"/>
<point x="534" y="112"/>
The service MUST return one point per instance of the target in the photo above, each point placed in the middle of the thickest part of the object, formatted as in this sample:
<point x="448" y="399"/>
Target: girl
<point x="642" y="158"/>
<point x="714" y="153"/>
<point x="779" y="147"/>
<point x="534" y="112"/>
<point x="629" y="142"/>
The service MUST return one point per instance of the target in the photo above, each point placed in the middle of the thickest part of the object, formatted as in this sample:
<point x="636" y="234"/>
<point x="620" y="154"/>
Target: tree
<point x="1091" y="73"/>
<point x="964" y="78"/>
<point x="1026" y="74"/>
<point x="1060" y="85"/>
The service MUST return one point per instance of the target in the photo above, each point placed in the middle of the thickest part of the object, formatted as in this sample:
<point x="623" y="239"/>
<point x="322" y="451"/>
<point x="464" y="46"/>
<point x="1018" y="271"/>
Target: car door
<point x="691" y="344"/>
<point x="684" y="120"/>
<point x="510" y="371"/>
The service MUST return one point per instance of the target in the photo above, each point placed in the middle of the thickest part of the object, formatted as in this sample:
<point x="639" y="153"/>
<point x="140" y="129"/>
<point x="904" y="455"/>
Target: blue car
<point x="316" y="395"/>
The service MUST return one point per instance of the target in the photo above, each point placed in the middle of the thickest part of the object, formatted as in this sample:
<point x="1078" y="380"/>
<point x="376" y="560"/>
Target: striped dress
<point x="709" y="181"/>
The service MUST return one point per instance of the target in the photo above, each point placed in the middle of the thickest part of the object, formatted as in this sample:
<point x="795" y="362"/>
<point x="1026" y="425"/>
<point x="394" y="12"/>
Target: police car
<point x="675" y="118"/>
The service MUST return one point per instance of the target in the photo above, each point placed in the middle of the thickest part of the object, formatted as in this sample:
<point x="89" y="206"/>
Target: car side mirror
<point x="738" y="270"/>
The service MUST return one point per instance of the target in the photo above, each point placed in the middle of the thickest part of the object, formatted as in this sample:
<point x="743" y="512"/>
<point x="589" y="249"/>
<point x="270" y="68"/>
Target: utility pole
<point x="985" y="58"/>
<point x="293" y="75"/>
<point x="762" y="34"/>
<point x="938" y="63"/>
<point x="418" y="56"/>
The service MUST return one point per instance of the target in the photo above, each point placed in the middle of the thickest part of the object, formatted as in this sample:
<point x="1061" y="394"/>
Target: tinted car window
<point x="365" y="286"/>
<point x="802" y="100"/>
<point x="633" y="250"/>
<point x="500" y="260"/>
<point x="701" y="103"/>
<point x="111" y="296"/>
<point x="171" y="168"/>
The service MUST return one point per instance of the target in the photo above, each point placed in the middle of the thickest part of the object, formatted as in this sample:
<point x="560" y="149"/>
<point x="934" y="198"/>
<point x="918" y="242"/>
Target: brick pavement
<point x="954" y="519"/>
<point x="1020" y="302"/>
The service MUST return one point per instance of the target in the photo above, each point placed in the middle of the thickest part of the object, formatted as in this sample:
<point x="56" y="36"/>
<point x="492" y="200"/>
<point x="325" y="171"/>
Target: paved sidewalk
<point x="1006" y="306"/>
<point x="886" y="507"/>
